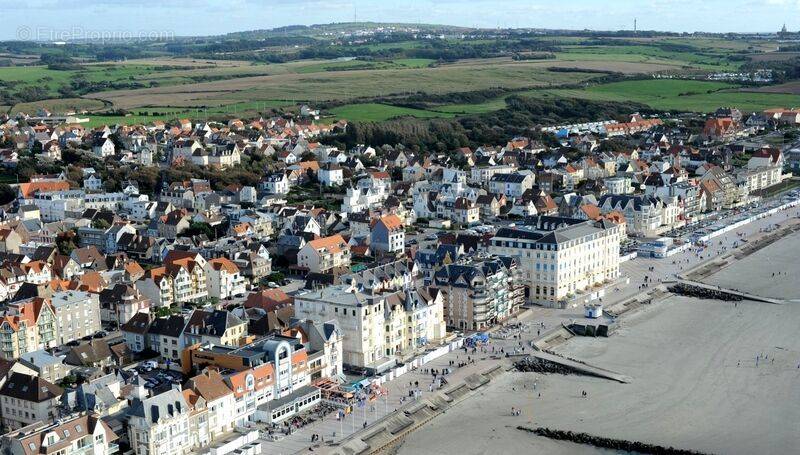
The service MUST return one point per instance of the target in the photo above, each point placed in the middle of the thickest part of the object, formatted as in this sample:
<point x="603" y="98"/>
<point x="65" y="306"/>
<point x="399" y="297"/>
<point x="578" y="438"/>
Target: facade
<point x="27" y="327"/>
<point x="79" y="434"/>
<point x="77" y="314"/>
<point x="480" y="293"/>
<point x="560" y="257"/>
<point x="325" y="255"/>
<point x="224" y="279"/>
<point x="28" y="399"/>
<point x="388" y="235"/>
<point x="159" y="425"/>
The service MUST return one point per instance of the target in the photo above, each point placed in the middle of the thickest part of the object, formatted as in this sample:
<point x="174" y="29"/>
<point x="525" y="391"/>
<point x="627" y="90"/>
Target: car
<point x="100" y="334"/>
<point x="73" y="343"/>
<point x="87" y="338"/>
<point x="272" y="284"/>
<point x="150" y="364"/>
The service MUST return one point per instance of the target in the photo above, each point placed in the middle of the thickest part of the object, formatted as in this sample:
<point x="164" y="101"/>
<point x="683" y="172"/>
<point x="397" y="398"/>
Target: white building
<point x="224" y="279"/>
<point x="331" y="174"/>
<point x="560" y="257"/>
<point x="159" y="425"/>
<point x="77" y="314"/>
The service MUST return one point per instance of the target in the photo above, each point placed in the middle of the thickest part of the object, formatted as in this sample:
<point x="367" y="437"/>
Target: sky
<point x="56" y="20"/>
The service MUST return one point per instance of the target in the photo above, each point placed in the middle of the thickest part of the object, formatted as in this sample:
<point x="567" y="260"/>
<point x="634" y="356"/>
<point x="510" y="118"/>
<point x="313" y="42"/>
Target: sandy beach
<point x="773" y="271"/>
<point x="696" y="383"/>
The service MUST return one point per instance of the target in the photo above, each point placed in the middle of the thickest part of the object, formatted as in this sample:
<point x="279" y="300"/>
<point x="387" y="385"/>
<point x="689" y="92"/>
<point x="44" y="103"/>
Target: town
<point x="192" y="316"/>
<point x="398" y="237"/>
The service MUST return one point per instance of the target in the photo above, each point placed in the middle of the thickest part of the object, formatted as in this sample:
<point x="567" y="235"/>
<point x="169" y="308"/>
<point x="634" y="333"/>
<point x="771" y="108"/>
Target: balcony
<point x="113" y="448"/>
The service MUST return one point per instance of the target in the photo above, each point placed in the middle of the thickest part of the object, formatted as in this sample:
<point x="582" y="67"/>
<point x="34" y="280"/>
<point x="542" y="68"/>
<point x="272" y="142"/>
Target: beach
<point x="712" y="376"/>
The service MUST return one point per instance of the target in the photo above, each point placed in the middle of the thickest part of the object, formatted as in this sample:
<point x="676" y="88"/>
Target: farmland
<point x="370" y="80"/>
<point x="678" y="95"/>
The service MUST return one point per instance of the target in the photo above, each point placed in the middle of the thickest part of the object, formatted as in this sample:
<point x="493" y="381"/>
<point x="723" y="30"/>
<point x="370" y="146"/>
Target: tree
<point x="7" y="194"/>
<point x="100" y="224"/>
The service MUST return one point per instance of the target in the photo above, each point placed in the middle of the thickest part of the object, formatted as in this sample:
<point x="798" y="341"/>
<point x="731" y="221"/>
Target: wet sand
<point x="696" y="384"/>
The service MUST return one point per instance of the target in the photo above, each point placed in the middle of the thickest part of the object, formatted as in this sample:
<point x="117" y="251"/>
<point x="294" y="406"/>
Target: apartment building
<point x="77" y="314"/>
<point x="480" y="292"/>
<point x="219" y="399"/>
<point x="270" y="381"/>
<point x="27" y="326"/>
<point x="325" y="255"/>
<point x="559" y="257"/>
<point x="645" y="216"/>
<point x="380" y="326"/>
<point x="224" y="279"/>
<point x="181" y="279"/>
<point x="359" y="315"/>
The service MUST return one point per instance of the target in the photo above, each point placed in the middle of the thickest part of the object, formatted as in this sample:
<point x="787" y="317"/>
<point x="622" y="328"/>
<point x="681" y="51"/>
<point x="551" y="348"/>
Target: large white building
<point x="378" y="327"/>
<point x="77" y="314"/>
<point x="560" y="257"/>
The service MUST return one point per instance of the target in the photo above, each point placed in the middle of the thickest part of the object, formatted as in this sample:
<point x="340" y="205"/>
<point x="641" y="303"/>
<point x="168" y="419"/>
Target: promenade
<point x="537" y="322"/>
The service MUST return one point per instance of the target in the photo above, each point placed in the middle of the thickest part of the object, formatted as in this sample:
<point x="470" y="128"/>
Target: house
<point x="387" y="235"/>
<point x="165" y="336"/>
<point x="92" y="182"/>
<point x="76" y="315"/>
<point x="28" y="399"/>
<point x="77" y="434"/>
<point x="325" y="255"/>
<point x="174" y="223"/>
<point x="268" y="300"/>
<point x="10" y="240"/>
<point x="331" y="174"/>
<point x="511" y="185"/>
<point x="134" y="331"/>
<point x="118" y="304"/>
<point x="275" y="183"/>
<point x="720" y="129"/>
<point x="94" y="354"/>
<point x="103" y="147"/>
<point x="45" y="365"/>
<point x="218" y="327"/>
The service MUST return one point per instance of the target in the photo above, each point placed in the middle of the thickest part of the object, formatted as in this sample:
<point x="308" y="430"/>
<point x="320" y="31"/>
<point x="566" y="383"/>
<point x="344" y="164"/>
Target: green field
<point x="351" y="65"/>
<point x="166" y="113"/>
<point x="678" y="95"/>
<point x="712" y="61"/>
<point x="373" y="112"/>
<point x="173" y="87"/>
